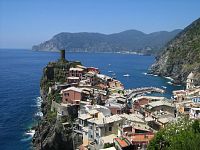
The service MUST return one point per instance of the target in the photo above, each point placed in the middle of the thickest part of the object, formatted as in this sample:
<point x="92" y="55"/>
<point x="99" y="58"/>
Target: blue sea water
<point x="20" y="73"/>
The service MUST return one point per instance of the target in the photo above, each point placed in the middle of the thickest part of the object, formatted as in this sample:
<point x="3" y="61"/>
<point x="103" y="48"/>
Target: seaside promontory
<point x="50" y="134"/>
<point x="181" y="55"/>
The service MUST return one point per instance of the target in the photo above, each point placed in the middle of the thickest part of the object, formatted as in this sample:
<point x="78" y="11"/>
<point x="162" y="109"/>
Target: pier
<point x="143" y="90"/>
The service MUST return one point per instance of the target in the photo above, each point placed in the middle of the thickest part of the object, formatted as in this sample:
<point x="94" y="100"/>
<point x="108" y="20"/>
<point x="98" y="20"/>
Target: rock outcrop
<point x="181" y="55"/>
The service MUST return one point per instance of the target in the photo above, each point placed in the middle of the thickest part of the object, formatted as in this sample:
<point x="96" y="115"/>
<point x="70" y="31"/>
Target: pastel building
<point x="76" y="72"/>
<point x="71" y="95"/>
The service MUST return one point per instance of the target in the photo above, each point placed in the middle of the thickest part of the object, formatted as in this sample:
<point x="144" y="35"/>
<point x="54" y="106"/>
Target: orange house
<point x="71" y="95"/>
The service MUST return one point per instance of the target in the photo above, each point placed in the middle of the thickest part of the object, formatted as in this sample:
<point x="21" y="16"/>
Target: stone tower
<point x="190" y="81"/>
<point x="62" y="54"/>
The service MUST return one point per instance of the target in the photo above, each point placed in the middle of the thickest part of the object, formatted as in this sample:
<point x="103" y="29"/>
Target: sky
<point x="24" y="23"/>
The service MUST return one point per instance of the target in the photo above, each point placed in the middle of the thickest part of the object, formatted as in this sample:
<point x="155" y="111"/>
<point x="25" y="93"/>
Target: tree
<point x="181" y="135"/>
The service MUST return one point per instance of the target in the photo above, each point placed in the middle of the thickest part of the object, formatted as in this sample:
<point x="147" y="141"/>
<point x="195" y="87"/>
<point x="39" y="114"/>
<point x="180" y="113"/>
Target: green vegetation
<point x="107" y="145"/>
<point x="181" y="55"/>
<point x="51" y="116"/>
<point x="183" y="135"/>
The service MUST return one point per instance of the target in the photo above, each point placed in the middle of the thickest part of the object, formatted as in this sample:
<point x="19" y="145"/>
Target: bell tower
<point x="190" y="81"/>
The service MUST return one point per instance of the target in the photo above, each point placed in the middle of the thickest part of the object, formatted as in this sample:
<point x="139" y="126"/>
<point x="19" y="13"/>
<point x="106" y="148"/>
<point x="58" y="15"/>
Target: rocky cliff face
<point x="50" y="134"/>
<point x="181" y="55"/>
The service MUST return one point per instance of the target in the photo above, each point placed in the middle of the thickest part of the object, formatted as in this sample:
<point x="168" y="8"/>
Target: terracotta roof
<point x="123" y="142"/>
<point x="142" y="137"/>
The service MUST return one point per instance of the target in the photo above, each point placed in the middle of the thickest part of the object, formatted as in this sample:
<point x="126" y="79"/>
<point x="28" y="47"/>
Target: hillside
<point x="181" y="55"/>
<point x="130" y="40"/>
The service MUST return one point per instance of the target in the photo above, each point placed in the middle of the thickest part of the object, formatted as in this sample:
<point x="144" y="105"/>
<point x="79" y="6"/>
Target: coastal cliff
<point x="181" y="55"/>
<point x="50" y="134"/>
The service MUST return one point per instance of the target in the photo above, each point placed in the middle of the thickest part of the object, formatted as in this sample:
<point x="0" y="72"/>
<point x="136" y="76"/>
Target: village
<point x="108" y="116"/>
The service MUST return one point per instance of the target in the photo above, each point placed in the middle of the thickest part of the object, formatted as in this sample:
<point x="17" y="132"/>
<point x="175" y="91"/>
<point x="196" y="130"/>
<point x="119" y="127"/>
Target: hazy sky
<point x="24" y="23"/>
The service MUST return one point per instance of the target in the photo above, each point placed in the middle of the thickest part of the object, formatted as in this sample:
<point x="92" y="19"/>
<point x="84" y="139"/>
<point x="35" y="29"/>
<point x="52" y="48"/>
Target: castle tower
<point x="62" y="54"/>
<point x="190" y="81"/>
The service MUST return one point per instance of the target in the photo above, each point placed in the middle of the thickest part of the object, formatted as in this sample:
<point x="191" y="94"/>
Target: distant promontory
<point x="126" y="41"/>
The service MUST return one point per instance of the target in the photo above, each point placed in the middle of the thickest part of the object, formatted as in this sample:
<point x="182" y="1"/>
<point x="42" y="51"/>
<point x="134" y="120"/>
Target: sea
<point x="20" y="73"/>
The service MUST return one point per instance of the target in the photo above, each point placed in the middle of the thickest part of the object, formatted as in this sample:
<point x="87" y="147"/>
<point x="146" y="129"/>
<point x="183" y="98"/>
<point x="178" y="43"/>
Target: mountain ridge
<point x="129" y="40"/>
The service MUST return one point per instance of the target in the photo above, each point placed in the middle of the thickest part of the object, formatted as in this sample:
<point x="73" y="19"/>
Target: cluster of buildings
<point x="107" y="114"/>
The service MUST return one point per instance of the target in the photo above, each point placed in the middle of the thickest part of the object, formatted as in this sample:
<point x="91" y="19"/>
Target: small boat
<point x="110" y="71"/>
<point x="170" y="83"/>
<point x="126" y="75"/>
<point x="164" y="87"/>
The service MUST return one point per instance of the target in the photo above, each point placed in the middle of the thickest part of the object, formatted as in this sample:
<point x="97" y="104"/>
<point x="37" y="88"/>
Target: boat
<point x="126" y="75"/>
<point x="110" y="71"/>
<point x="164" y="87"/>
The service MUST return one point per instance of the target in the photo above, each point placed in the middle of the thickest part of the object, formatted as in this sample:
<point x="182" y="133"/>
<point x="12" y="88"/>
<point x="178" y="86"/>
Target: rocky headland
<point x="50" y="133"/>
<point x="180" y="56"/>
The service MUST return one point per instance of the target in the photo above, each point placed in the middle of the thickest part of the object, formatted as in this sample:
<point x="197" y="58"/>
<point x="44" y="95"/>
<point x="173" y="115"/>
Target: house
<point x="103" y="126"/>
<point x="115" y="84"/>
<point x="91" y="78"/>
<point x="160" y="119"/>
<point x="59" y="86"/>
<point x="153" y="106"/>
<point x="76" y="72"/>
<point x="72" y="95"/>
<point x="195" y="113"/>
<point x="73" y="80"/>
<point x="86" y="113"/>
<point x="179" y="95"/>
<point x="140" y="101"/>
<point x="139" y="136"/>
<point x="116" y="108"/>
<point x="93" y="69"/>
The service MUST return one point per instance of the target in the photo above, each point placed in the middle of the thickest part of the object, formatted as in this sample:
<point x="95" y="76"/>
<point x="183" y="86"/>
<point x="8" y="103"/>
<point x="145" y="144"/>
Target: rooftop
<point x="142" y="137"/>
<point x="109" y="138"/>
<point x="191" y="76"/>
<point x="84" y="116"/>
<point x="72" y="89"/>
<point x="123" y="142"/>
<point x="158" y="103"/>
<point x="105" y="120"/>
<point x="73" y="78"/>
<point x="75" y="69"/>
<point x="132" y="117"/>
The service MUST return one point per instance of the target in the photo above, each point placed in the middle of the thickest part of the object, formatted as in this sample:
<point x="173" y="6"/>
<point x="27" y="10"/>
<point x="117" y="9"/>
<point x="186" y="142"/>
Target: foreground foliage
<point x="182" y="135"/>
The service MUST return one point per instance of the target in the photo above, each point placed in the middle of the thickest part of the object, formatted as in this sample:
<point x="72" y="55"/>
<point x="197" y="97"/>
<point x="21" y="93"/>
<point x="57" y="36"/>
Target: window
<point x="110" y="129"/>
<point x="118" y="111"/>
<point x="66" y="94"/>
